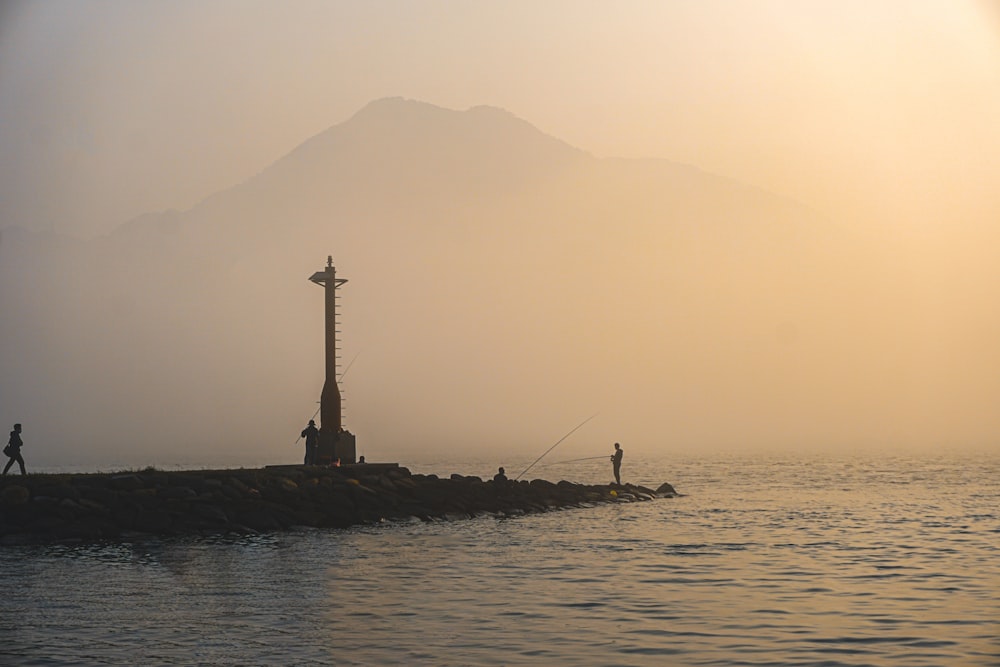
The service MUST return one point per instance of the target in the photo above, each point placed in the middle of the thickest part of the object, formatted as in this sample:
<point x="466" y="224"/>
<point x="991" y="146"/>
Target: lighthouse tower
<point x="335" y="442"/>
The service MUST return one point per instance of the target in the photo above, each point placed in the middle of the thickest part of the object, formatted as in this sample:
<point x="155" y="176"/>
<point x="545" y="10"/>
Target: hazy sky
<point x="882" y="117"/>
<point x="875" y="109"/>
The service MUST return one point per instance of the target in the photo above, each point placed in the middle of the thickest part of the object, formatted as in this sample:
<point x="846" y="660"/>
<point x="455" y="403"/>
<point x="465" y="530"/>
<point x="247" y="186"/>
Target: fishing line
<point x="554" y="446"/>
<point x="320" y="402"/>
<point x="588" y="458"/>
<point x="342" y="375"/>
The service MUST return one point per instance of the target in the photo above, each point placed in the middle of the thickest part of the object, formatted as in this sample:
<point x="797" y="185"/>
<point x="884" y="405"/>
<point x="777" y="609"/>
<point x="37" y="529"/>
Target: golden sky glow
<point x="880" y="117"/>
<point x="855" y="108"/>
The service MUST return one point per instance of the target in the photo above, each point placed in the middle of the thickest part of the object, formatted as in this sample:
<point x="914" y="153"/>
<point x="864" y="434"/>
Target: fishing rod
<point x="588" y="458"/>
<point x="320" y="402"/>
<point x="342" y="375"/>
<point x="555" y="445"/>
<point x="313" y="417"/>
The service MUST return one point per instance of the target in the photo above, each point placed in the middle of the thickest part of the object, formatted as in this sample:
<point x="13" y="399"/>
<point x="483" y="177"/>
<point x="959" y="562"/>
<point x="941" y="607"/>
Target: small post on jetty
<point x="335" y="442"/>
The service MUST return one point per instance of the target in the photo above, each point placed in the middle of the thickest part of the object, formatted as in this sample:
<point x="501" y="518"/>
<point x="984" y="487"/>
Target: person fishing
<point x="311" y="434"/>
<point x="13" y="450"/>
<point x="616" y="463"/>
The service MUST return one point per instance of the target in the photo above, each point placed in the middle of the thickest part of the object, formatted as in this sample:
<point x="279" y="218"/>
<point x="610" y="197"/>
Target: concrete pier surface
<point x="68" y="508"/>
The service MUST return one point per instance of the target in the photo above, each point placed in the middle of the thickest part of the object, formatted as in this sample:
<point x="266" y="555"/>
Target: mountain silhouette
<point x="501" y="284"/>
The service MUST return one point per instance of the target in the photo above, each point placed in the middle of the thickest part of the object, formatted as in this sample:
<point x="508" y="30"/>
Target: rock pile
<point x="86" y="507"/>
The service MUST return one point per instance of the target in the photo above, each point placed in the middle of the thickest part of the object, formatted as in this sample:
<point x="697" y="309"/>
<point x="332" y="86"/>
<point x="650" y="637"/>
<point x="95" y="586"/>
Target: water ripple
<point x="775" y="562"/>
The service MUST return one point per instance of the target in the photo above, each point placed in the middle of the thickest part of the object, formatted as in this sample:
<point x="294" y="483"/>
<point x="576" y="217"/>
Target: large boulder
<point x="665" y="489"/>
<point x="15" y="495"/>
<point x="127" y="482"/>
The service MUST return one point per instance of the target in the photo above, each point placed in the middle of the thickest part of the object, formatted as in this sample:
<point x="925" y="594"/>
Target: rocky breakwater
<point x="48" y="508"/>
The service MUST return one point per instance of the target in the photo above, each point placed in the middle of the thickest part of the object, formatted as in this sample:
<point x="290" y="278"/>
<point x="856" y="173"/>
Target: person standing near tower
<point x="616" y="462"/>
<point x="311" y="434"/>
<point x="13" y="450"/>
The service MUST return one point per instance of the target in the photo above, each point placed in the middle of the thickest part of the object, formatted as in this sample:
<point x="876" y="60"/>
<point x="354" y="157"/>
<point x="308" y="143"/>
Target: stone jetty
<point x="64" y="508"/>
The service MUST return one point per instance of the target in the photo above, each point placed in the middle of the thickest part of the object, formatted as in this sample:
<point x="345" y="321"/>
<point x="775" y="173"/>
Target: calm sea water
<point x="765" y="561"/>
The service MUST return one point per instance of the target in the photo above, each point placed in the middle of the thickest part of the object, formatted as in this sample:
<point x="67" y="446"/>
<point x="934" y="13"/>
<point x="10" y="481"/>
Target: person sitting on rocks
<point x="501" y="477"/>
<point x="13" y="450"/>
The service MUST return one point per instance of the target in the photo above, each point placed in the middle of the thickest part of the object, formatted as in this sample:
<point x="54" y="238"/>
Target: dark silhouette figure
<point x="502" y="485"/>
<point x="616" y="462"/>
<point x="13" y="450"/>
<point x="311" y="434"/>
<point x="361" y="459"/>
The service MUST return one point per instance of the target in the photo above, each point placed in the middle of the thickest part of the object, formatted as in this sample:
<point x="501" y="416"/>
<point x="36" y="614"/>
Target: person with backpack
<point x="13" y="450"/>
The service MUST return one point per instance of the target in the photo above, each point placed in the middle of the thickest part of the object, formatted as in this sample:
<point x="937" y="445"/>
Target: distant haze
<point x="717" y="225"/>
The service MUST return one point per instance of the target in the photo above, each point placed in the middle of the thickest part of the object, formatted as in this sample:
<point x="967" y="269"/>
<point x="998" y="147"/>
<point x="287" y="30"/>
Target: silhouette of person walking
<point x="311" y="434"/>
<point x="13" y="450"/>
<point x="616" y="462"/>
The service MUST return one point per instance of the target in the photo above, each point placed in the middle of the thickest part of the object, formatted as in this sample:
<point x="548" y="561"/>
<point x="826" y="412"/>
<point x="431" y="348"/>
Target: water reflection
<point x="778" y="563"/>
